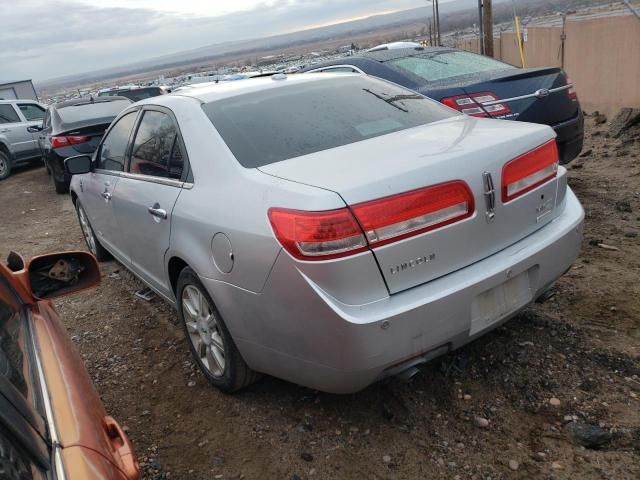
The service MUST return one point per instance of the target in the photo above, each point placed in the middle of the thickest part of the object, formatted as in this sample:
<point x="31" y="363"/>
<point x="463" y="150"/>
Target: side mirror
<point x="34" y="129"/>
<point x="60" y="274"/>
<point x="78" y="164"/>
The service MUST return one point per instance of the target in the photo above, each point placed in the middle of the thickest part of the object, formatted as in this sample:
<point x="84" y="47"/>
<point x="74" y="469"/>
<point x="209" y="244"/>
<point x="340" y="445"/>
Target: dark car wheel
<point x="209" y="340"/>
<point x="60" y="186"/>
<point x="5" y="166"/>
<point x="93" y="244"/>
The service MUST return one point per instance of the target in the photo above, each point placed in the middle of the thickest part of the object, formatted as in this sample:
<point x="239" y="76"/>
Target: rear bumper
<point x="570" y="137"/>
<point x="295" y="331"/>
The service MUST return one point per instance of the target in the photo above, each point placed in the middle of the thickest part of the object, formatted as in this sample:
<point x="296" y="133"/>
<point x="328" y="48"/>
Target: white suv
<point x="18" y="140"/>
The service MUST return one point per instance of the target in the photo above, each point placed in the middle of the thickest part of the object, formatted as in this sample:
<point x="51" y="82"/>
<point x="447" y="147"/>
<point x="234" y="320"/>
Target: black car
<point x="479" y="86"/>
<point x="75" y="127"/>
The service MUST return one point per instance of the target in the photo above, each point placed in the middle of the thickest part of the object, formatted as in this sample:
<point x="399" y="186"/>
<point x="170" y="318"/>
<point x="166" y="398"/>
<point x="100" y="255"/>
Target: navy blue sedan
<point x="479" y="86"/>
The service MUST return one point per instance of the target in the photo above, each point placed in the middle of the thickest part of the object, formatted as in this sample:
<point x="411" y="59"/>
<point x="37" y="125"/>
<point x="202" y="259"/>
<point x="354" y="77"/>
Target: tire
<point x="210" y="343"/>
<point x="94" y="246"/>
<point x="60" y="186"/>
<point x="5" y="165"/>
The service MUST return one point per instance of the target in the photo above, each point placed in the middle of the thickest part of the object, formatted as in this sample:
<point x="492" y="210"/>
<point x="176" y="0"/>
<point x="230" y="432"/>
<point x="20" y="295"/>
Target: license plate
<point x="493" y="305"/>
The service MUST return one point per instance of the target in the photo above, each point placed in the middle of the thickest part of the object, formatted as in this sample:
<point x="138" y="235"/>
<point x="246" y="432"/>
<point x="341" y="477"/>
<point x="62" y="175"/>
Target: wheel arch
<point x="174" y="267"/>
<point x="4" y="148"/>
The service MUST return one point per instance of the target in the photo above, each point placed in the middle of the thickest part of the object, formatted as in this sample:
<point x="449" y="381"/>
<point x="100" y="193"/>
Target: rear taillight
<point x="571" y="91"/>
<point x="317" y="235"/>
<point x="337" y="233"/>
<point x="66" y="140"/>
<point x="411" y="213"/>
<point x="529" y="170"/>
<point x="474" y="104"/>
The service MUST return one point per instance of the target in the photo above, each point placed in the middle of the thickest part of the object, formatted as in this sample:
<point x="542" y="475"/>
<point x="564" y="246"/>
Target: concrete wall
<point x="602" y="58"/>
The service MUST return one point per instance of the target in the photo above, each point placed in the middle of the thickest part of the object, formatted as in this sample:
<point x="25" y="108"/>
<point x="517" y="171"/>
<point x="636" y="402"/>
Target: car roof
<point x="88" y="100"/>
<point x="20" y="100"/>
<point x="223" y="90"/>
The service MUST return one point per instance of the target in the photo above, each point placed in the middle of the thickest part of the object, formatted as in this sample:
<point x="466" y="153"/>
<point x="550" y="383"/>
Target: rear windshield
<point x="443" y="65"/>
<point x="91" y="111"/>
<point x="139" y="93"/>
<point x="277" y="124"/>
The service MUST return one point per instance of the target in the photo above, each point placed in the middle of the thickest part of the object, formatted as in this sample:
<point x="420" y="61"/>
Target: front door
<point x="33" y="115"/>
<point x="146" y="194"/>
<point x="97" y="188"/>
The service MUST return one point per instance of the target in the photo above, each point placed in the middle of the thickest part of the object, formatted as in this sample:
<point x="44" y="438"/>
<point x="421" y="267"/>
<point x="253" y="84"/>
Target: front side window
<point x="31" y="111"/>
<point x="114" y="146"/>
<point x="437" y="66"/>
<point x="156" y="151"/>
<point x="8" y="114"/>
<point x="276" y="124"/>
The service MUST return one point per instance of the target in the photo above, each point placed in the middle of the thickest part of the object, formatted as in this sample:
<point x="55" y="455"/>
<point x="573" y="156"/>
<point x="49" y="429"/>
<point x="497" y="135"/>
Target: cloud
<point x="46" y="39"/>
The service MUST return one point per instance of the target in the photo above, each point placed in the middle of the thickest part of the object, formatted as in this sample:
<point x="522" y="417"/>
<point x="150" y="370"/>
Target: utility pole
<point x="487" y="17"/>
<point x="481" y="38"/>
<point x="438" y="22"/>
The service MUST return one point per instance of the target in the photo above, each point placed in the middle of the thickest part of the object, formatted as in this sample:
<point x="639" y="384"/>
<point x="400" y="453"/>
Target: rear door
<point x="97" y="188"/>
<point x="146" y="194"/>
<point x="33" y="115"/>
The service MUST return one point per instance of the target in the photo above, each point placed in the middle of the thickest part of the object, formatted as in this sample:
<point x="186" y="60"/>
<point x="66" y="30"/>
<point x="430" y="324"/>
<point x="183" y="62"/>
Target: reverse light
<point x="528" y="171"/>
<point x="317" y="235"/>
<point x="411" y="213"/>
<point x="66" y="140"/>
<point x="473" y="104"/>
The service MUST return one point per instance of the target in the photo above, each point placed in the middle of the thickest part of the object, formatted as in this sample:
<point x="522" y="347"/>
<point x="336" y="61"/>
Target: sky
<point x="43" y="39"/>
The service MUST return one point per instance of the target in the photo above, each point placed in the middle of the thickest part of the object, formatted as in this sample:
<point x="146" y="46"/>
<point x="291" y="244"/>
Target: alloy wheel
<point x="204" y="331"/>
<point x="3" y="166"/>
<point x="86" y="230"/>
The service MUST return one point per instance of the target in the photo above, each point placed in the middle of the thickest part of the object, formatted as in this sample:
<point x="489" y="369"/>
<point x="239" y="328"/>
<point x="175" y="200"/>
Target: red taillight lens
<point x="411" y="213"/>
<point x="337" y="233"/>
<point x="571" y="91"/>
<point x="317" y="235"/>
<point x="475" y="104"/>
<point x="66" y="140"/>
<point x="529" y="170"/>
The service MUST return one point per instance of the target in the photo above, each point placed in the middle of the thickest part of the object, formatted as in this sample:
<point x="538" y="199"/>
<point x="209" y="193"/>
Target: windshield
<point x="139" y="93"/>
<point x="277" y="124"/>
<point x="443" y="65"/>
<point x="90" y="111"/>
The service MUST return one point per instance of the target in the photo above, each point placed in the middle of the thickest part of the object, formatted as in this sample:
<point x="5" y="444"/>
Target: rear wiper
<point x="397" y="98"/>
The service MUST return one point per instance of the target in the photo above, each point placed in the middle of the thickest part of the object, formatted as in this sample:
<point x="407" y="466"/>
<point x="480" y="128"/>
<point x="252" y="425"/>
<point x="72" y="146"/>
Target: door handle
<point x="158" y="212"/>
<point x="4" y="130"/>
<point x="106" y="196"/>
<point x="122" y="448"/>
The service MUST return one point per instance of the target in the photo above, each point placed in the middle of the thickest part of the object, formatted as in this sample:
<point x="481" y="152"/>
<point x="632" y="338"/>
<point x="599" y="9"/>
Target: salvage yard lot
<point x="581" y="348"/>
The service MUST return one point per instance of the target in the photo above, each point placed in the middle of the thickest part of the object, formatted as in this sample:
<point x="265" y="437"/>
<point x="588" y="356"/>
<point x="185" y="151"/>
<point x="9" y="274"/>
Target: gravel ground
<point x="555" y="393"/>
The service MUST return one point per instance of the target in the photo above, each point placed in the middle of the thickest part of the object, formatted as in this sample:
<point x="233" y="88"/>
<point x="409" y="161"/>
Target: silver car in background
<point x="327" y="229"/>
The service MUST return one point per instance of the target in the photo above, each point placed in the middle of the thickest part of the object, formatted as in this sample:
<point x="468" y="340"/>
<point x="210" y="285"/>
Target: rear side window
<point x="114" y="146"/>
<point x="31" y="111"/>
<point x="441" y="66"/>
<point x="272" y="125"/>
<point x="8" y="114"/>
<point x="91" y="111"/>
<point x="156" y="151"/>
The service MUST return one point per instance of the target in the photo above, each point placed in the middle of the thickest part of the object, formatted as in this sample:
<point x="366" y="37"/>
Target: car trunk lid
<point x="539" y="95"/>
<point x="461" y="148"/>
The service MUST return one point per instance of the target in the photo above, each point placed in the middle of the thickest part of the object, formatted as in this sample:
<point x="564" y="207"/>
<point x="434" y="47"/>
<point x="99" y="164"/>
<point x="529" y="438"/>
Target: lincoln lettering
<point x="412" y="263"/>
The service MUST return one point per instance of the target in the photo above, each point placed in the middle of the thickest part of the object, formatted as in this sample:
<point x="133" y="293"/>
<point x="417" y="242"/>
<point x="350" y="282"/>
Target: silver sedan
<point x="327" y="229"/>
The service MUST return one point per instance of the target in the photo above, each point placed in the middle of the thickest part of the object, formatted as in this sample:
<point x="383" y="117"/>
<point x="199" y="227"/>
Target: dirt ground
<point x="581" y="348"/>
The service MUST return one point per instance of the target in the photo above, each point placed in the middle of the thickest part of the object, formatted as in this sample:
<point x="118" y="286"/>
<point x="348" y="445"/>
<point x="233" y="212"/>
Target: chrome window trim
<point x="333" y="67"/>
<point x="46" y="400"/>
<point x="524" y="97"/>
<point x="171" y="182"/>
